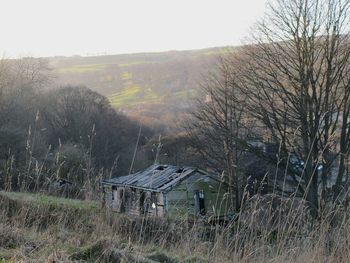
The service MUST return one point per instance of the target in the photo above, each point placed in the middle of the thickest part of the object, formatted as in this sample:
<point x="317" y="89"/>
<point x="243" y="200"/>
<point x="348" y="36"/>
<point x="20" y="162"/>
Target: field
<point x="139" y="79"/>
<point x="152" y="88"/>
<point x="82" y="68"/>
<point x="40" y="228"/>
<point x="132" y="95"/>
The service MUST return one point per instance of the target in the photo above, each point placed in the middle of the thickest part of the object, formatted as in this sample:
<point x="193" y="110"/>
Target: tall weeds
<point x="39" y="229"/>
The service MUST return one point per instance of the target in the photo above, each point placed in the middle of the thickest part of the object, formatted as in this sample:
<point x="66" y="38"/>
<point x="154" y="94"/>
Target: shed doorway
<point x="122" y="200"/>
<point x="199" y="198"/>
<point x="143" y="207"/>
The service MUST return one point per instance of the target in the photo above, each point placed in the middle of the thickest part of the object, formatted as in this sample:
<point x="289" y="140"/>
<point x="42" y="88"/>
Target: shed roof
<point x="158" y="178"/>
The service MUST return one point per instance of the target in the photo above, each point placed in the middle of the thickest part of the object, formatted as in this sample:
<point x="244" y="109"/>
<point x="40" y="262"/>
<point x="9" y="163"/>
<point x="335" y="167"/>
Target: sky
<point x="92" y="27"/>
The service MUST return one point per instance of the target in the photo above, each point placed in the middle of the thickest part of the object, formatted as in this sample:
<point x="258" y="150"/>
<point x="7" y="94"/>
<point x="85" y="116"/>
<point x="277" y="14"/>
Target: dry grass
<point x="51" y="231"/>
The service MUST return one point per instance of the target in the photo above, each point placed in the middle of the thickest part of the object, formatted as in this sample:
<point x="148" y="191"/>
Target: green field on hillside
<point x="138" y="84"/>
<point x="82" y="68"/>
<point x="133" y="96"/>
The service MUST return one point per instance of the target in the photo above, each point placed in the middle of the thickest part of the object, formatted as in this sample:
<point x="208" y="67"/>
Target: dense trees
<point x="79" y="115"/>
<point x="68" y="132"/>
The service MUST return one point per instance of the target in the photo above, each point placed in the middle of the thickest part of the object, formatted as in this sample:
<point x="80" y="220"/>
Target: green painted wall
<point x="180" y="200"/>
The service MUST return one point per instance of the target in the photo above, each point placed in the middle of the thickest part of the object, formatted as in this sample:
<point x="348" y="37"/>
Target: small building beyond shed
<point x="168" y="190"/>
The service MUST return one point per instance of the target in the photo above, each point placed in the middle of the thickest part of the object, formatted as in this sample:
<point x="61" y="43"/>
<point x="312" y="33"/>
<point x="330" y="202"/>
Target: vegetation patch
<point x="10" y="237"/>
<point x="130" y="64"/>
<point x="218" y="51"/>
<point x="186" y="94"/>
<point x="102" y="250"/>
<point x="160" y="256"/>
<point x="134" y="95"/>
<point x="126" y="76"/>
<point x="125" y="97"/>
<point x="82" y="68"/>
<point x="41" y="199"/>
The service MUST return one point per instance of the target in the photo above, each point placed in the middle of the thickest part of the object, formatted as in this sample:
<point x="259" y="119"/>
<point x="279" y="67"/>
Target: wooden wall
<point x="128" y="200"/>
<point x="179" y="201"/>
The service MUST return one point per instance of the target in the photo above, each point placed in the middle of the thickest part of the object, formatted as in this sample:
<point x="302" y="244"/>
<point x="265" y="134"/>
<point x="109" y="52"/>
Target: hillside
<point x="153" y="87"/>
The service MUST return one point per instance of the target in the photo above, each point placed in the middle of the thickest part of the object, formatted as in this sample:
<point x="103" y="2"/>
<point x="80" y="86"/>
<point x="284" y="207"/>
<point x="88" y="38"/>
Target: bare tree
<point x="20" y="83"/>
<point x="296" y="80"/>
<point x="216" y="126"/>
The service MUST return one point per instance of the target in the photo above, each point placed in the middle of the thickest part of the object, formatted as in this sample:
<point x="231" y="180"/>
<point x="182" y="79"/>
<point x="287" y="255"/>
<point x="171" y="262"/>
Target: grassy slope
<point x="41" y="228"/>
<point x="43" y="199"/>
<point x="130" y="80"/>
<point x="156" y="89"/>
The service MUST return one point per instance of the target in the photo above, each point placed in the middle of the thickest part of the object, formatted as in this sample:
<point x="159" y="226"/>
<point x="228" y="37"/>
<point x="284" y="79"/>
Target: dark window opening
<point x="180" y="170"/>
<point x="160" y="168"/>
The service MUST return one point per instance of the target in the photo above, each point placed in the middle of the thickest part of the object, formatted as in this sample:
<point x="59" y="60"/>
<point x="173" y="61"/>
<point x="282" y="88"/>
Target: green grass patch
<point x="125" y="97"/>
<point x="126" y="76"/>
<point x="185" y="94"/>
<point x="83" y="68"/>
<point x="135" y="63"/>
<point x="131" y="96"/>
<point x="42" y="199"/>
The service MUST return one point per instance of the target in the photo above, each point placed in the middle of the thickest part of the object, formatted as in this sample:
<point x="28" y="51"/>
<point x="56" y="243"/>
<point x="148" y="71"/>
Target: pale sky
<point x="88" y="27"/>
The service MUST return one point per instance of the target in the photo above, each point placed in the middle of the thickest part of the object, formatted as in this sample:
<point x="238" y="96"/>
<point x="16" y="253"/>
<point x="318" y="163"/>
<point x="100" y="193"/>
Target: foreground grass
<point x="40" y="228"/>
<point x="42" y="199"/>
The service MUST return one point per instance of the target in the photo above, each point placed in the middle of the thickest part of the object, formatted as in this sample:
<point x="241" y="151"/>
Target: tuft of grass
<point x="162" y="256"/>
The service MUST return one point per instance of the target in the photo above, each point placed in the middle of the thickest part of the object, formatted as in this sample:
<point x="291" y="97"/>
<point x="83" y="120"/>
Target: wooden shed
<point x="166" y="190"/>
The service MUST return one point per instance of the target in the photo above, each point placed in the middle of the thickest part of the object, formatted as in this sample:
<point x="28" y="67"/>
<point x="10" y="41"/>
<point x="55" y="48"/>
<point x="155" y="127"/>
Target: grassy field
<point x="132" y="96"/>
<point x="41" y="228"/>
<point x="129" y="81"/>
<point x="78" y="69"/>
<point x="46" y="200"/>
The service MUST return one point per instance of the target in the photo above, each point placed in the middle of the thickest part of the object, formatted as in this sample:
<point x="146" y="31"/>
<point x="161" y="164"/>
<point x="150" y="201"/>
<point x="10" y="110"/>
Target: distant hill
<point x="156" y="88"/>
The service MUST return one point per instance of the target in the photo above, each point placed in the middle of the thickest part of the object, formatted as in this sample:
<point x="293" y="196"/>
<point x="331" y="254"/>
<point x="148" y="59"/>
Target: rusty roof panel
<point x="157" y="177"/>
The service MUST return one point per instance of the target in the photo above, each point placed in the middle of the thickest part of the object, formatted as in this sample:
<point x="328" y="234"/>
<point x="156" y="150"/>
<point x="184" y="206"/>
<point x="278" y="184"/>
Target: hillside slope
<point x="141" y="85"/>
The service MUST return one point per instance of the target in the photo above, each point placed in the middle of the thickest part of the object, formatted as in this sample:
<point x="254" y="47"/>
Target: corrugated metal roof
<point x="157" y="177"/>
